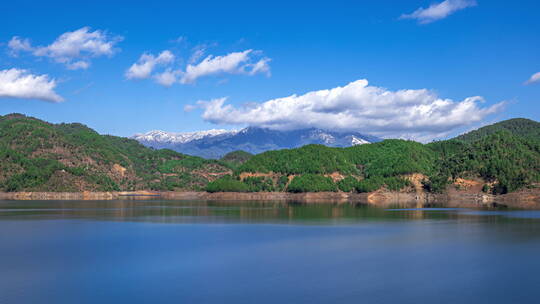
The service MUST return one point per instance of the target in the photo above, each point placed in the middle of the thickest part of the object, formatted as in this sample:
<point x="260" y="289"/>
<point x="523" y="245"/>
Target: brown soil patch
<point x="416" y="181"/>
<point x="119" y="170"/>
<point x="336" y="176"/>
<point x="170" y="174"/>
<point x="244" y="175"/>
<point x="212" y="176"/>
<point x="468" y="185"/>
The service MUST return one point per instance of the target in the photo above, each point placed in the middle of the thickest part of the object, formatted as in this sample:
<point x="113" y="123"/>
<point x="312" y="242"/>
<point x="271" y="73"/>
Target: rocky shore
<point x="524" y="199"/>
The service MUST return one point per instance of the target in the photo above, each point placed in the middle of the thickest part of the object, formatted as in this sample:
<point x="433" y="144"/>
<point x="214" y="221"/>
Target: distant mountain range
<point x="216" y="143"/>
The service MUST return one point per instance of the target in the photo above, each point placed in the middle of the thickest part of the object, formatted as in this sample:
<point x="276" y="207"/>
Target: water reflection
<point x="167" y="211"/>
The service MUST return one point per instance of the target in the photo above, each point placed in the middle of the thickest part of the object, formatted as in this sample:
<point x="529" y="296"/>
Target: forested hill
<point x="518" y="126"/>
<point x="504" y="156"/>
<point x="39" y="156"/>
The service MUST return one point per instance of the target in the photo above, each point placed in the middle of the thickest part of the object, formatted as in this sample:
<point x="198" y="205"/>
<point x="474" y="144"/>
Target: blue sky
<point x="456" y="51"/>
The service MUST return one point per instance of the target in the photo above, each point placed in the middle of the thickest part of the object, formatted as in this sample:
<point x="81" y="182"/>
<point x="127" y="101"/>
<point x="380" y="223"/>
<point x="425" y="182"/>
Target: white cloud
<point x="81" y="64"/>
<point x="198" y="52"/>
<point x="248" y="62"/>
<point x="415" y="114"/>
<point x="232" y="63"/>
<point x="534" y="78"/>
<point x="167" y="78"/>
<point x="16" y="83"/>
<point x="73" y="49"/>
<point x="438" y="11"/>
<point x="16" y="45"/>
<point x="144" y="67"/>
<point x="260" y="66"/>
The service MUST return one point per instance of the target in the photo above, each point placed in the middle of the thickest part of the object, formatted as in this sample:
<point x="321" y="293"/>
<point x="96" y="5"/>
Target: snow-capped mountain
<point x="161" y="138"/>
<point x="216" y="143"/>
<point x="358" y="141"/>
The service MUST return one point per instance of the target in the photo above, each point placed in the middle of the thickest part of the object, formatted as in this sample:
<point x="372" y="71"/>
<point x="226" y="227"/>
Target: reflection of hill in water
<point x="247" y="212"/>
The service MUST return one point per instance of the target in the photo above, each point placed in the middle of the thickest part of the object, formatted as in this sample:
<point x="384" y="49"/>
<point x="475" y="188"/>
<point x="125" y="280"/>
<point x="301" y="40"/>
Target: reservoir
<point x="161" y="251"/>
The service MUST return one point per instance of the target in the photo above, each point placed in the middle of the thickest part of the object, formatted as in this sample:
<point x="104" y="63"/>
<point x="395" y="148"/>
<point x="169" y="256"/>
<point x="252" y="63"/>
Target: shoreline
<point x="523" y="199"/>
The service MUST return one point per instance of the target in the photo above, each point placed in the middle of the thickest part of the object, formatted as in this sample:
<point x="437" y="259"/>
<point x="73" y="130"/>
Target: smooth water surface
<point x="199" y="252"/>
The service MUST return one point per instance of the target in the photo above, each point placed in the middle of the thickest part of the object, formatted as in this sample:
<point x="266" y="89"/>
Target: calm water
<point x="197" y="252"/>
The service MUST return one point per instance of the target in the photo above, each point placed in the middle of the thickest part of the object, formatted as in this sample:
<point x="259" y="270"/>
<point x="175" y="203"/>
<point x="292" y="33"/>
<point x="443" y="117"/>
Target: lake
<point x="155" y="251"/>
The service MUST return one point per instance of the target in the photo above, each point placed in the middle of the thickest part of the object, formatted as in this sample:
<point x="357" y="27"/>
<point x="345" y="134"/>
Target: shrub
<point x="311" y="183"/>
<point x="348" y="184"/>
<point x="282" y="183"/>
<point x="259" y="184"/>
<point x="369" y="185"/>
<point x="396" y="183"/>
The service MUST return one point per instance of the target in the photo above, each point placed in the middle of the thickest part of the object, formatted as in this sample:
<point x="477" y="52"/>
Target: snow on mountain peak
<point x="358" y="141"/>
<point x="217" y="142"/>
<point x="179" y="138"/>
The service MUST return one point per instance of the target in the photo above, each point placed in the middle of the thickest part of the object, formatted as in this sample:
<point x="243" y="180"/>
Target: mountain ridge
<point x="163" y="137"/>
<point x="253" y="140"/>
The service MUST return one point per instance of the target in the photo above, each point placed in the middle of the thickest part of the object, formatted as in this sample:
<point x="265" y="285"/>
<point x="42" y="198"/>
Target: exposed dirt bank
<point x="76" y="195"/>
<point x="525" y="199"/>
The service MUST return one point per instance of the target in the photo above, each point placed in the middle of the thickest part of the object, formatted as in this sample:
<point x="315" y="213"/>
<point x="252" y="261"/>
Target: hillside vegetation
<point x="506" y="156"/>
<point x="39" y="156"/>
<point x="237" y="157"/>
<point x="522" y="127"/>
<point x="506" y="161"/>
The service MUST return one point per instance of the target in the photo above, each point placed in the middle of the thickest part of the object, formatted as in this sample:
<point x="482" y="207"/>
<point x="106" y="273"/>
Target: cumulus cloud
<point x="438" y="11"/>
<point x="146" y="64"/>
<point x="248" y="62"/>
<point x="73" y="49"/>
<point x="534" y="78"/>
<point x="167" y="78"/>
<point x="16" y="83"/>
<point x="415" y="114"/>
<point x="232" y="63"/>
